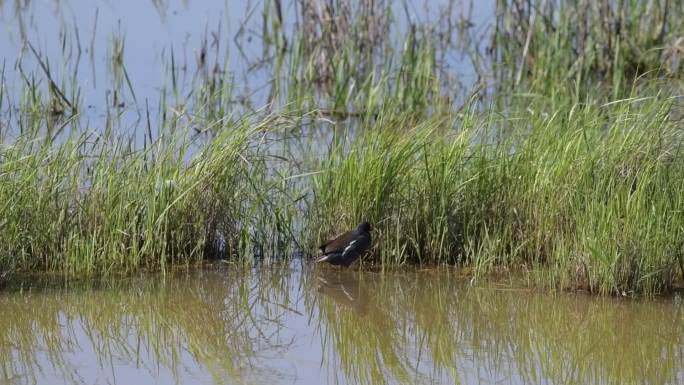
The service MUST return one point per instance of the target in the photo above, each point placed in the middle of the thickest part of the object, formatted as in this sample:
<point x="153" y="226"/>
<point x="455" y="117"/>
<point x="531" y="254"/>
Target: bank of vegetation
<point x="561" y="158"/>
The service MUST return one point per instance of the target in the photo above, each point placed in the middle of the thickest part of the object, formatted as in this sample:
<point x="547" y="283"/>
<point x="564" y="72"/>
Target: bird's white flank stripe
<point x="348" y="247"/>
<point x="347" y="294"/>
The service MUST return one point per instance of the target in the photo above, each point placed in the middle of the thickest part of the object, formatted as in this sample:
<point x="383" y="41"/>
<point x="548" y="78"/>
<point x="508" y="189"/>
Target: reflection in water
<point x="288" y="325"/>
<point x="344" y="288"/>
<point x="193" y="328"/>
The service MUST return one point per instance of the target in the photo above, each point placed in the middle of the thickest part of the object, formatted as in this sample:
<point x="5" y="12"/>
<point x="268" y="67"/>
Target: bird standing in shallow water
<point x="348" y="247"/>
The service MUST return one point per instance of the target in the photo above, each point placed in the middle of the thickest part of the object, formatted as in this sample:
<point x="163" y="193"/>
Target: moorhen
<point x="348" y="247"/>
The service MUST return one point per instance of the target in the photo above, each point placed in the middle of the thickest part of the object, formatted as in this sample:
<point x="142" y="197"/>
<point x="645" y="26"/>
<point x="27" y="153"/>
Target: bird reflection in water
<point x="345" y="287"/>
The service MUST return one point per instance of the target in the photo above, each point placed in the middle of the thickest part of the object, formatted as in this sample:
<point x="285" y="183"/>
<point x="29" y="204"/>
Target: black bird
<point x="348" y="247"/>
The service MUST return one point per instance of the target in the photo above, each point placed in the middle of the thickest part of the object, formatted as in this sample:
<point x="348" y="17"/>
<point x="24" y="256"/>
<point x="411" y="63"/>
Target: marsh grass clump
<point x="561" y="158"/>
<point x="93" y="204"/>
<point x="385" y="61"/>
<point x="407" y="177"/>
<point x="592" y="197"/>
<point x="582" y="196"/>
<point x="547" y="43"/>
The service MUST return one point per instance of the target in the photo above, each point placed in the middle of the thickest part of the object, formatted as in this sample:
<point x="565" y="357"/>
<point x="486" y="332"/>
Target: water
<point x="288" y="324"/>
<point x="150" y="30"/>
<point x="283" y="324"/>
<point x="162" y="44"/>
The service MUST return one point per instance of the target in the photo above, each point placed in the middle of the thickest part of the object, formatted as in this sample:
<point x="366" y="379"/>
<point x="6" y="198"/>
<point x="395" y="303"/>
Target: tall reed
<point x="93" y="203"/>
<point x="581" y="195"/>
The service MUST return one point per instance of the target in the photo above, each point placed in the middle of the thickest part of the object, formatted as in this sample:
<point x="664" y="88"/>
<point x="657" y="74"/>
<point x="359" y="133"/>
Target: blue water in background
<point x="76" y="37"/>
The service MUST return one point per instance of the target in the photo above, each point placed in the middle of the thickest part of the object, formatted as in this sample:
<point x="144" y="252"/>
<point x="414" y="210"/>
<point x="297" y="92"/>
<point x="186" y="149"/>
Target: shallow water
<point x="284" y="325"/>
<point x="75" y="38"/>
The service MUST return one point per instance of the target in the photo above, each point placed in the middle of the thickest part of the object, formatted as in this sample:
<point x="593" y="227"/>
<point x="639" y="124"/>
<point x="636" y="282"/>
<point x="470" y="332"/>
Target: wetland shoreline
<point x="553" y="154"/>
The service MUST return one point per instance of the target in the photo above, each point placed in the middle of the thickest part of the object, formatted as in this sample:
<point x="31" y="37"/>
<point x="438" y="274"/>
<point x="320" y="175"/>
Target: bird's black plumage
<point x="348" y="247"/>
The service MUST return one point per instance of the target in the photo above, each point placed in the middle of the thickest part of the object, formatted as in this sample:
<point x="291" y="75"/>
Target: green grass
<point x="561" y="162"/>
<point x="93" y="204"/>
<point x="547" y="43"/>
<point x="583" y="196"/>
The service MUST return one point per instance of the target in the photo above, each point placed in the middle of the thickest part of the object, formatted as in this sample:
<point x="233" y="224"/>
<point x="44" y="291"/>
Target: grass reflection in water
<point x="285" y="325"/>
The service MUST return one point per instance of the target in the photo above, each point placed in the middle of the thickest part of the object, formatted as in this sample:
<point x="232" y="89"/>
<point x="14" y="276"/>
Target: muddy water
<point x="287" y="325"/>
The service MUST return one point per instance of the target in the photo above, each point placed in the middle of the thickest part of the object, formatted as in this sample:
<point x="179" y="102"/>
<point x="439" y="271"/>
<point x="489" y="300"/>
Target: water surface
<point x="284" y="325"/>
<point x="76" y="38"/>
